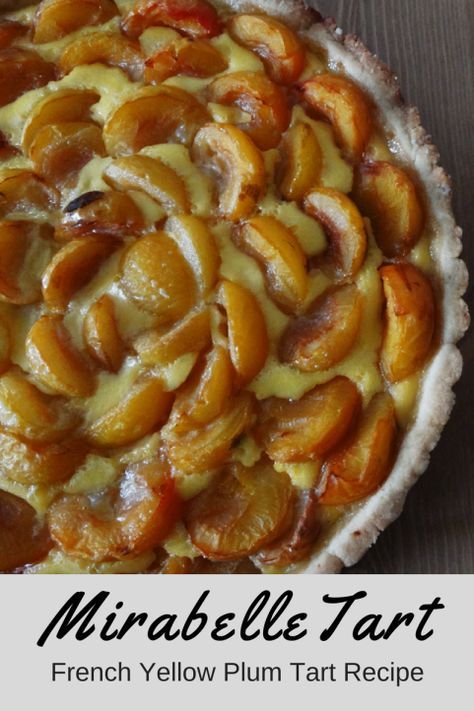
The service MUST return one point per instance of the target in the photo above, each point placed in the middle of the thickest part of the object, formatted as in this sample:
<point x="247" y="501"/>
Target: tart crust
<point x="357" y="531"/>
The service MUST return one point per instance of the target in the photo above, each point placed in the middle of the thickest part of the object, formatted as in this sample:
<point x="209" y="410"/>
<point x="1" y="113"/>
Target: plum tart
<point x="230" y="292"/>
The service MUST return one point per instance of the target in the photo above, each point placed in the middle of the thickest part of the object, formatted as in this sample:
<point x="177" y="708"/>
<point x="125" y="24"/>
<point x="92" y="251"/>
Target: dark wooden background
<point x="429" y="45"/>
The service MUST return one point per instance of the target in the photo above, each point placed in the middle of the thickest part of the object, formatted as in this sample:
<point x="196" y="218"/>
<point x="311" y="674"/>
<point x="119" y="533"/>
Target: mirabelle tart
<point x="229" y="289"/>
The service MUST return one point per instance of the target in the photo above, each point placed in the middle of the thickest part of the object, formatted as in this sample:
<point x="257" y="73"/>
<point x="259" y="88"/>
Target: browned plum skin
<point x="258" y="507"/>
<point x="297" y="541"/>
<point x="137" y="525"/>
<point x="308" y="428"/>
<point x="324" y="336"/>
<point x="23" y="540"/>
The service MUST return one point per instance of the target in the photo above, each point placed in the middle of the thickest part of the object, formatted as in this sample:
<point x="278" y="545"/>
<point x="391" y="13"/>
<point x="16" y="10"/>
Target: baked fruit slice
<point x="230" y="292"/>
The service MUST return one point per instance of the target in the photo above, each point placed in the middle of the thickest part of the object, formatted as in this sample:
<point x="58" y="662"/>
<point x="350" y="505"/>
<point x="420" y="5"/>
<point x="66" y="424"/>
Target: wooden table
<point x="429" y="45"/>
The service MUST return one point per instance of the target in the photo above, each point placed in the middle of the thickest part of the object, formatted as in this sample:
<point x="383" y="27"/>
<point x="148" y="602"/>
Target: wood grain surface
<point x="429" y="45"/>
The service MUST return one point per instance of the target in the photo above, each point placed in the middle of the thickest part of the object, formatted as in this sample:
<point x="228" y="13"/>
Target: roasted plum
<point x="20" y="242"/>
<point x="193" y="18"/>
<point x="232" y="159"/>
<point x="144" y="407"/>
<point x="59" y="151"/>
<point x="71" y="268"/>
<point x="281" y="257"/>
<point x="105" y="48"/>
<point x="59" y="107"/>
<point x="57" y="18"/>
<point x="246" y="329"/>
<point x="105" y="214"/>
<point x="160" y="114"/>
<point x="360" y="466"/>
<point x="190" y="335"/>
<point x="208" y="446"/>
<point x="23" y="538"/>
<point x="326" y="333"/>
<point x="260" y="98"/>
<point x="281" y="51"/>
<point x="101" y="334"/>
<point x="242" y="511"/>
<point x="54" y="359"/>
<point x="24" y="191"/>
<point x="152" y="177"/>
<point x="409" y="320"/>
<point x="300" y="164"/>
<point x="28" y="413"/>
<point x="157" y="277"/>
<point x="131" y="517"/>
<point x="297" y="541"/>
<point x="22" y="70"/>
<point x="346" y="106"/>
<point x="308" y="428"/>
<point x="344" y="228"/>
<point x="388" y="196"/>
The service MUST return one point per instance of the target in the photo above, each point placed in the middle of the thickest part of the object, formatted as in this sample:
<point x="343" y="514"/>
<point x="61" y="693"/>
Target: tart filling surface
<point x="229" y="290"/>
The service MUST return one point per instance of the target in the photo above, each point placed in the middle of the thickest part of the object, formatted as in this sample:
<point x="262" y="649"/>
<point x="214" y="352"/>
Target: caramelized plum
<point x="28" y="413"/>
<point x="7" y="151"/>
<point x="301" y="162"/>
<point x="161" y="114"/>
<point x="110" y="214"/>
<point x="190" y="335"/>
<point x="59" y="107"/>
<point x="347" y="108"/>
<point x="326" y="333"/>
<point x="296" y="543"/>
<point x="197" y="244"/>
<point x="231" y="157"/>
<point x="151" y="176"/>
<point x="360" y="466"/>
<point x="39" y="464"/>
<point x="195" y="58"/>
<point x="243" y="510"/>
<point x="60" y="150"/>
<point x="128" y="519"/>
<point x="208" y="446"/>
<point x="308" y="428"/>
<point x="247" y="330"/>
<point x="344" y="227"/>
<point x="55" y="361"/>
<point x="5" y="346"/>
<point x="206" y="393"/>
<point x="157" y="277"/>
<point x="282" y="53"/>
<point x="57" y="18"/>
<point x="410" y="318"/>
<point x="71" y="268"/>
<point x="260" y="98"/>
<point x="24" y="191"/>
<point x="194" y="18"/>
<point x="20" y="242"/>
<point x="280" y="255"/>
<point x="106" y="48"/>
<point x="22" y="70"/>
<point x="101" y="334"/>
<point x="23" y="538"/>
<point x="144" y="408"/>
<point x="11" y="31"/>
<point x="387" y="195"/>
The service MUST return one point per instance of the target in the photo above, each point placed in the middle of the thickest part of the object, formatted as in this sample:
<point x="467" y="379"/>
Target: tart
<point x="230" y="290"/>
